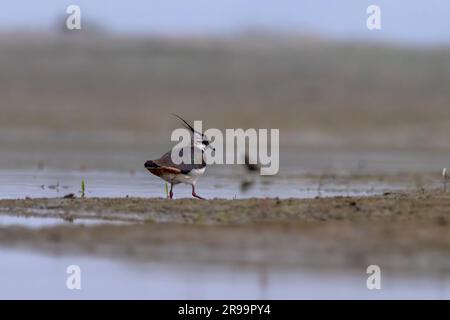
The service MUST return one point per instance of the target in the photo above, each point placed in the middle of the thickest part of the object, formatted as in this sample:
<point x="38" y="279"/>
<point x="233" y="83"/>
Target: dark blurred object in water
<point x="247" y="184"/>
<point x="250" y="165"/>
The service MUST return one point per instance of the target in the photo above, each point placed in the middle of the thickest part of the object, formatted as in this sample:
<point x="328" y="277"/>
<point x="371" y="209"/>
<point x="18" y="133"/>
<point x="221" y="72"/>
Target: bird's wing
<point x="162" y="170"/>
<point x="166" y="162"/>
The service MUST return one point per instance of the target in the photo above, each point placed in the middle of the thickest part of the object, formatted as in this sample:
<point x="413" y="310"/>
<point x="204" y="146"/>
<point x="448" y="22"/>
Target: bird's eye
<point x="205" y="142"/>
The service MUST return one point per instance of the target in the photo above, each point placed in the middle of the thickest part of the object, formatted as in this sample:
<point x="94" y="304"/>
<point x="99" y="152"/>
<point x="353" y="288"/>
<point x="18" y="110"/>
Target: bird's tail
<point x="150" y="164"/>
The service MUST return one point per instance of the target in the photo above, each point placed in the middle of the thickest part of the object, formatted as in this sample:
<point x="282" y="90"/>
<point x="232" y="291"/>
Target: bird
<point x="186" y="173"/>
<point x="251" y="167"/>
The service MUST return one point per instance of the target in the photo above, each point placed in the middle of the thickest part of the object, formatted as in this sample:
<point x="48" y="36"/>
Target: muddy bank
<point x="430" y="207"/>
<point x="408" y="232"/>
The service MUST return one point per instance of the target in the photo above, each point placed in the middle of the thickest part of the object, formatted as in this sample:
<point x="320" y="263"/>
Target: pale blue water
<point x="28" y="275"/>
<point x="412" y="21"/>
<point x="33" y="183"/>
<point x="48" y="222"/>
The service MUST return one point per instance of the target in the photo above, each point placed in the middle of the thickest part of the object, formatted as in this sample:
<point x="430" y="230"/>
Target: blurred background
<point x="345" y="98"/>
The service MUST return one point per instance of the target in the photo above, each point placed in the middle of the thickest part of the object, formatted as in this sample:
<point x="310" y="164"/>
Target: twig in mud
<point x="319" y="187"/>
<point x="322" y="179"/>
<point x="418" y="180"/>
<point x="445" y="176"/>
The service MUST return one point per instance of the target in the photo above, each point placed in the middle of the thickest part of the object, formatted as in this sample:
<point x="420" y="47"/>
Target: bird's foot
<point x="197" y="196"/>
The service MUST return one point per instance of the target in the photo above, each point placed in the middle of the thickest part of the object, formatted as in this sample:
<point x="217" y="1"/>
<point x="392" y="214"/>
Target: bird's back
<point x="188" y="164"/>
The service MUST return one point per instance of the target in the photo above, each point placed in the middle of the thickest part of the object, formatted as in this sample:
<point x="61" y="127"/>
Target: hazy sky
<point x="422" y="21"/>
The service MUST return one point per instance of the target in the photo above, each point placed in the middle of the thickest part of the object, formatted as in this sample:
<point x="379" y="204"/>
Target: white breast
<point x="191" y="177"/>
<point x="197" y="172"/>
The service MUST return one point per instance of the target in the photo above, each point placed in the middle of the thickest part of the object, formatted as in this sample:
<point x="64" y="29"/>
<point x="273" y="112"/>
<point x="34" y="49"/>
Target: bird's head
<point x="199" y="140"/>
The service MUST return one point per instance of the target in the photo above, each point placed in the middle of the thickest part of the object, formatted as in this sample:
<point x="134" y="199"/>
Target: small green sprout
<point x="166" y="188"/>
<point x="83" y="188"/>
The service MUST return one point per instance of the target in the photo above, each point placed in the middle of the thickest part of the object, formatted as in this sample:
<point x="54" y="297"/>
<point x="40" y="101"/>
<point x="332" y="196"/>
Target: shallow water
<point x="42" y="222"/>
<point x="33" y="275"/>
<point x="57" y="183"/>
<point x="46" y="164"/>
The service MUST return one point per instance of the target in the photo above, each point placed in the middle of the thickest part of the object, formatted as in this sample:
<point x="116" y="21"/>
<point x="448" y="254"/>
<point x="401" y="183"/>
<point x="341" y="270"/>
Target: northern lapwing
<point x="187" y="173"/>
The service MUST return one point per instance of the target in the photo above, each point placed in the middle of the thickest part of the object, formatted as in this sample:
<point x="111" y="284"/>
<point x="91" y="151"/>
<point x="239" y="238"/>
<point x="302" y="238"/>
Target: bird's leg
<point x="171" y="192"/>
<point x="196" y="195"/>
